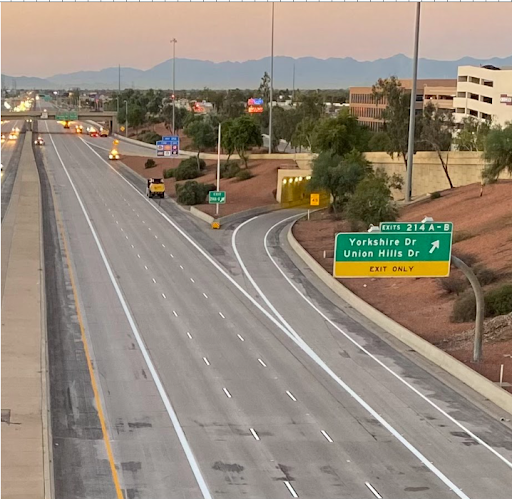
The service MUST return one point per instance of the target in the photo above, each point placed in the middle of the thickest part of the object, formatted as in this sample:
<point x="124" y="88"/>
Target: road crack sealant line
<point x="367" y="352"/>
<point x="161" y="390"/>
<point x="298" y="341"/>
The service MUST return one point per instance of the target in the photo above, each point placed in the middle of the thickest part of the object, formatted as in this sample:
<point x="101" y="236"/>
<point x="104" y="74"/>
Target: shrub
<point x="169" y="173"/>
<point x="192" y="192"/>
<point x="150" y="137"/>
<point x="150" y="163"/>
<point x="186" y="170"/>
<point x="499" y="301"/>
<point x="193" y="162"/>
<point x="435" y="195"/>
<point x="464" y="307"/>
<point x="485" y="276"/>
<point x="468" y="258"/>
<point x="453" y="284"/>
<point x="229" y="169"/>
<point x="243" y="175"/>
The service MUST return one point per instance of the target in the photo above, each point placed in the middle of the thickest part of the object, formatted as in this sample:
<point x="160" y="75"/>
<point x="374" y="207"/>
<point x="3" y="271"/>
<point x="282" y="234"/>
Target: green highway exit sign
<point x="393" y="254"/>
<point x="67" y="116"/>
<point x="217" y="197"/>
<point x="416" y="227"/>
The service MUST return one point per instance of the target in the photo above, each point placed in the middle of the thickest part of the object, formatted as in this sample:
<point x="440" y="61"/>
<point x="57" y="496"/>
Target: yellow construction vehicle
<point x="155" y="187"/>
<point x="113" y="154"/>
<point x="66" y="124"/>
<point x="103" y="132"/>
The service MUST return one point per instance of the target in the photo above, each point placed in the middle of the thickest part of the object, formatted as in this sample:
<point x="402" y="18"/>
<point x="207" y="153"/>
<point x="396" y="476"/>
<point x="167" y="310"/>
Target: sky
<point x="68" y="37"/>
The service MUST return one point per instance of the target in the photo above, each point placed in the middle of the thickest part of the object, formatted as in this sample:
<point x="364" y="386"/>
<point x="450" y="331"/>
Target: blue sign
<point x="168" y="146"/>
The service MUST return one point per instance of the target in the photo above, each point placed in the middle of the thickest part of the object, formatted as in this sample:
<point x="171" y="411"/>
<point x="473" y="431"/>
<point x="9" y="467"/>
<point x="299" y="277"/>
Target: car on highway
<point x="79" y="129"/>
<point x="103" y="132"/>
<point x="39" y="141"/>
<point x="93" y="133"/>
<point x="13" y="136"/>
<point x="3" y="138"/>
<point x="113" y="154"/>
<point x="66" y="124"/>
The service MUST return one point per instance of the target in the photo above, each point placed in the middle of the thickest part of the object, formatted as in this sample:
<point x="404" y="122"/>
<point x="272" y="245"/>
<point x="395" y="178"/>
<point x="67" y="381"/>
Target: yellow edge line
<point x="104" y="430"/>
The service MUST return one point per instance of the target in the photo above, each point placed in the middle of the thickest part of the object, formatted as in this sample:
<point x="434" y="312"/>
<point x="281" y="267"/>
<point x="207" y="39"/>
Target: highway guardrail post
<point x="480" y="305"/>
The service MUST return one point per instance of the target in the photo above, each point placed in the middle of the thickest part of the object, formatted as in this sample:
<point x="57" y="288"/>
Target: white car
<point x="39" y="141"/>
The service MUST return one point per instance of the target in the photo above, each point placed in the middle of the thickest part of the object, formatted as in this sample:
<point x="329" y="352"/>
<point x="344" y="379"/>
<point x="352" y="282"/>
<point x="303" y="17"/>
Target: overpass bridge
<point x="56" y="114"/>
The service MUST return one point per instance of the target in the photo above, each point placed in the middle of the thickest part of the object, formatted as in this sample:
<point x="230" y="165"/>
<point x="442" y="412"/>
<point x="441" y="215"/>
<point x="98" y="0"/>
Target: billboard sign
<point x="168" y="146"/>
<point x="255" y="105"/>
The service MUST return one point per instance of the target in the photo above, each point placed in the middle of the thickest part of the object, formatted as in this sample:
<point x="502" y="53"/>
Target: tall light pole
<point x="118" y="92"/>
<point x="271" y="84"/>
<point x="218" y="169"/>
<point x="126" y="119"/>
<point x="412" y="114"/>
<point x="173" y="41"/>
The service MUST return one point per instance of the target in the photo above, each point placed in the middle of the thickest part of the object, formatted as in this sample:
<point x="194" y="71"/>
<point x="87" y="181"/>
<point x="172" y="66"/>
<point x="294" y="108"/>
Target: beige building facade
<point x="484" y="93"/>
<point x="439" y="92"/>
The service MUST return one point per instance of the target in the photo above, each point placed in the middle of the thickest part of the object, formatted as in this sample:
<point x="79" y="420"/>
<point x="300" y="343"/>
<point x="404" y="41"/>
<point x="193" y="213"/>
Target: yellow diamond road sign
<point x="215" y="225"/>
<point x="122" y="129"/>
<point x="314" y="200"/>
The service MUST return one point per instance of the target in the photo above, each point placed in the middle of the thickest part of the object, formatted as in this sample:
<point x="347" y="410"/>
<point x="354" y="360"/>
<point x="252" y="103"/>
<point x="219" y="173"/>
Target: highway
<point x="212" y="377"/>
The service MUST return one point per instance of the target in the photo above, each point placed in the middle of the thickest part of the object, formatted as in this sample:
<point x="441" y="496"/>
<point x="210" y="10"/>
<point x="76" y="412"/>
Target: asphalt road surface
<point x="212" y="387"/>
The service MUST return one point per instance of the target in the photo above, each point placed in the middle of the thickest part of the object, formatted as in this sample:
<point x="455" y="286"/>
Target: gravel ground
<point x="483" y="226"/>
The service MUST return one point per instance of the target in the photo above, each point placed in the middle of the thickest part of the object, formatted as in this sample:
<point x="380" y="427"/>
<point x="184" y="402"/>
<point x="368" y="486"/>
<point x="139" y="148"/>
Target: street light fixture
<point x="173" y="41"/>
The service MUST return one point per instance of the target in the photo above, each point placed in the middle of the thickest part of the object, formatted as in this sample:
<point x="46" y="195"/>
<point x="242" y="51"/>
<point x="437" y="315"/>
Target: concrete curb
<point x="476" y="381"/>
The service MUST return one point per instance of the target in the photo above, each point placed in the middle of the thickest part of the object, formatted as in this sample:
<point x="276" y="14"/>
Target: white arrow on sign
<point x="435" y="245"/>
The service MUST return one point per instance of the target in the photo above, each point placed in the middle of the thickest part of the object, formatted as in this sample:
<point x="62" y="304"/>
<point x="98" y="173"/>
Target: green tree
<point x="264" y="89"/>
<point x="234" y="104"/>
<point x="203" y="136"/>
<point x="181" y="117"/>
<point x="285" y="124"/>
<point x="472" y="134"/>
<point x="245" y="133"/>
<point x="304" y="133"/>
<point x="379" y="142"/>
<point x="311" y="105"/>
<point x="338" y="176"/>
<point x="436" y="134"/>
<point x="372" y="202"/>
<point x="136" y="116"/>
<point x="396" y="114"/>
<point x="338" y="135"/>
<point x="498" y="153"/>
<point x="226" y="138"/>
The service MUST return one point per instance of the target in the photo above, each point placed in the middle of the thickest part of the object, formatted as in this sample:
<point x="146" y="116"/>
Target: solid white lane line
<point x="154" y="374"/>
<point x="291" y="489"/>
<point x="241" y="338"/>
<point x="298" y="340"/>
<point x="220" y="313"/>
<point x="373" y="357"/>
<point x="228" y="395"/>
<point x="262" y="363"/>
<point x="372" y="490"/>
<point x="189" y="335"/>
<point x="254" y="434"/>
<point x="175" y="314"/>
<point x="164" y="295"/>
<point x="328" y="438"/>
<point x="205" y="295"/>
<point x="206" y="361"/>
<point x="154" y="280"/>
<point x="192" y="279"/>
<point x="291" y="396"/>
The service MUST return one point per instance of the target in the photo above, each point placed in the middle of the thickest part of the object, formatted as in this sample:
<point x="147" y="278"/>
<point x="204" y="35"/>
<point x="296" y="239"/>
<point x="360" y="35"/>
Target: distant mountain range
<point x="310" y="73"/>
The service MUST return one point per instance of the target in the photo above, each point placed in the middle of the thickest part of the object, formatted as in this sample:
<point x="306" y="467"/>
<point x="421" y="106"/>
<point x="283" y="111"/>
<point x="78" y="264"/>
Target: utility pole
<point x="173" y="41"/>
<point x="293" y="84"/>
<point x="218" y="170"/>
<point x="126" y="118"/>
<point x="412" y="114"/>
<point x="271" y="84"/>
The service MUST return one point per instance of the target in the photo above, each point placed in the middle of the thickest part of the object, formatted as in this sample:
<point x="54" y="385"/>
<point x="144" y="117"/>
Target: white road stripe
<point x="156" y="237"/>
<point x="117" y="222"/>
<point x="241" y="338"/>
<point x="220" y="313"/>
<point x="145" y="267"/>
<point x="181" y="267"/>
<point x="254" y="434"/>
<point x="154" y="374"/>
<point x="133" y="246"/>
<point x="163" y="245"/>
<point x="189" y="335"/>
<point x="192" y="279"/>
<point x="288" y="331"/>
<point x="372" y="490"/>
<point x="149" y="228"/>
<point x="126" y="237"/>
<point x="122" y="229"/>
<point x="291" y="396"/>
<point x="164" y="295"/>
<point x="143" y="222"/>
<point x="175" y="314"/>
<point x="262" y="363"/>
<point x="206" y="361"/>
<point x="291" y="489"/>
<point x="138" y="256"/>
<point x="171" y="255"/>
<point x="329" y="439"/>
<point x="205" y="295"/>
<point x="227" y="393"/>
<point x="154" y="280"/>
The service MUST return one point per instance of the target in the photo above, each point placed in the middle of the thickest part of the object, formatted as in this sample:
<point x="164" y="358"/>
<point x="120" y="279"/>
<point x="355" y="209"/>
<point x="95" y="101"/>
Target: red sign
<point x="506" y="99"/>
<point x="255" y="109"/>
